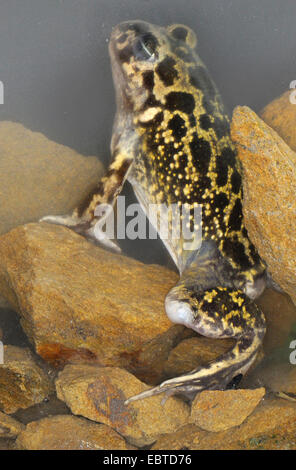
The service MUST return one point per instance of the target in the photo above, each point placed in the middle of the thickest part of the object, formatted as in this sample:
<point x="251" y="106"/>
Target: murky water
<point x="56" y="77"/>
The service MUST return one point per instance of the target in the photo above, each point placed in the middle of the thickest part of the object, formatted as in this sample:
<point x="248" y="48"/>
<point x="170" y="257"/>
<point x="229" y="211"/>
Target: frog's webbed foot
<point x="90" y="229"/>
<point x="168" y="388"/>
<point x="189" y="385"/>
<point x="218" y="313"/>
<point x="286" y="396"/>
<point x="89" y="218"/>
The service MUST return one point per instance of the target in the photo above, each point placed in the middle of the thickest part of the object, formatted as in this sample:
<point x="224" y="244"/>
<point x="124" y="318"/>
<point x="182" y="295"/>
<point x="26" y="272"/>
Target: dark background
<point x="55" y="67"/>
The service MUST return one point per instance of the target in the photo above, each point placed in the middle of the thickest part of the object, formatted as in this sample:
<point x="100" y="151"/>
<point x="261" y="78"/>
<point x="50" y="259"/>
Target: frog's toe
<point x="165" y="387"/>
<point x="70" y="221"/>
<point x="86" y="228"/>
<point x="66" y="220"/>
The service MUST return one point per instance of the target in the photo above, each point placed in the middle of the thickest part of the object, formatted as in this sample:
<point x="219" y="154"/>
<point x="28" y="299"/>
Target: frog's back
<point x="185" y="154"/>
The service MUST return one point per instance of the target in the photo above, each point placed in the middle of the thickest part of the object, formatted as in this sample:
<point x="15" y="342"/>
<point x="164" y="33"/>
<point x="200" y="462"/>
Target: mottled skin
<point x="171" y="142"/>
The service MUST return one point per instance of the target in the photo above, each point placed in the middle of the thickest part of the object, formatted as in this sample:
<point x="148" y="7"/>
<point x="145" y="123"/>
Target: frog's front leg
<point x="88" y="218"/>
<point x="219" y="312"/>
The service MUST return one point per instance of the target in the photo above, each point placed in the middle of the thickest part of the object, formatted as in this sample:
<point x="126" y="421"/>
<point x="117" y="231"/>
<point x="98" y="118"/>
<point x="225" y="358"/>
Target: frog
<point x="171" y="141"/>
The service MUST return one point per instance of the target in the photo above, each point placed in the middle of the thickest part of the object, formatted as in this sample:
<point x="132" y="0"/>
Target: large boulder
<point x="269" y="170"/>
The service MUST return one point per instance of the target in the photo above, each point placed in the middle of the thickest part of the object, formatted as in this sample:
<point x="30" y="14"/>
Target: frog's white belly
<point x="168" y="225"/>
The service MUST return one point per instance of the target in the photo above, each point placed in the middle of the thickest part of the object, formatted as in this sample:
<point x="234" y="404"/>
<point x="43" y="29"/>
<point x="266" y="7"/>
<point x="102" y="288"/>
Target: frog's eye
<point x="145" y="47"/>
<point x="183" y="33"/>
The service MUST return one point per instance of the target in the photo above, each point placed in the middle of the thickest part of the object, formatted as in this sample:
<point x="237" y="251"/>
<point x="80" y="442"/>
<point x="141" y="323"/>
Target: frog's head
<point x="147" y="61"/>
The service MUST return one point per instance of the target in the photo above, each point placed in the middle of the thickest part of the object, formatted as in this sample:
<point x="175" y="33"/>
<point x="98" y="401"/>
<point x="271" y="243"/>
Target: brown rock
<point x="279" y="377"/>
<point x="99" y="394"/>
<point x="280" y="114"/>
<point x="194" y="352"/>
<point x="40" y="177"/>
<point x="149" y="365"/>
<point x="4" y="303"/>
<point x="216" y="410"/>
<point x="69" y="433"/>
<point x="269" y="194"/>
<point x="22" y="382"/>
<point x="9" y="427"/>
<point x="280" y="314"/>
<point x="276" y="372"/>
<point x="7" y="444"/>
<point x="187" y="437"/>
<point x="52" y="406"/>
<point x="78" y="301"/>
<point x="272" y="425"/>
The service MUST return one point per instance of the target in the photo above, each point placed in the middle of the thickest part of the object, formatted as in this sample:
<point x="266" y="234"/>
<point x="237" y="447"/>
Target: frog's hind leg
<point x="89" y="217"/>
<point x="219" y="312"/>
